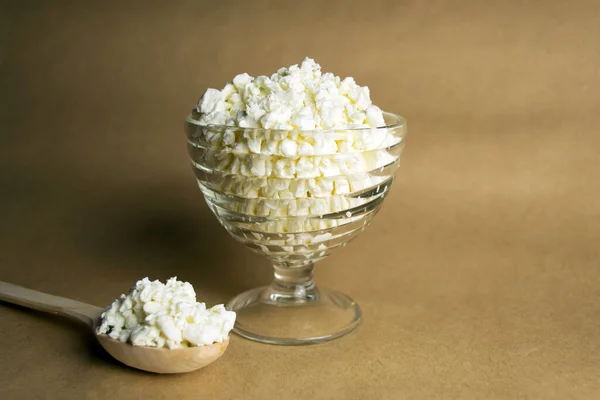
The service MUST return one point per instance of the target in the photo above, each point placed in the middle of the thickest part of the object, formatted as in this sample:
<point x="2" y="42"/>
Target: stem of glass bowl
<point x="292" y="311"/>
<point x="293" y="285"/>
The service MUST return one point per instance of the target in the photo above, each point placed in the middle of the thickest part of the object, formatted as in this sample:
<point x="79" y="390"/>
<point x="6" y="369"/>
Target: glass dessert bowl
<point x="294" y="196"/>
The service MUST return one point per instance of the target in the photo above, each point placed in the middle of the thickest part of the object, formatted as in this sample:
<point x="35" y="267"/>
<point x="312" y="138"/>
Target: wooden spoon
<point x="152" y="359"/>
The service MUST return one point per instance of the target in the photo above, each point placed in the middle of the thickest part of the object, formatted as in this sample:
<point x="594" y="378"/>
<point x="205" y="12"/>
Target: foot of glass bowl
<point x="292" y="311"/>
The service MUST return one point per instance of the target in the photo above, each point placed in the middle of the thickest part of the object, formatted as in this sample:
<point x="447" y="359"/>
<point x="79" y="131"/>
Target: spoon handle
<point x="21" y="296"/>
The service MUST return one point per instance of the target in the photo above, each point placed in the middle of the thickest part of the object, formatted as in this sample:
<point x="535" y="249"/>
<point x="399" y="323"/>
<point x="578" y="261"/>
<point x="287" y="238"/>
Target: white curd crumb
<point x="298" y="97"/>
<point x="165" y="315"/>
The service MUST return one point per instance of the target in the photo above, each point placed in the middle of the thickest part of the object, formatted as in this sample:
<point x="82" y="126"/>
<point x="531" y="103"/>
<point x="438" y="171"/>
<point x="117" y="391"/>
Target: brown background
<point x="479" y="279"/>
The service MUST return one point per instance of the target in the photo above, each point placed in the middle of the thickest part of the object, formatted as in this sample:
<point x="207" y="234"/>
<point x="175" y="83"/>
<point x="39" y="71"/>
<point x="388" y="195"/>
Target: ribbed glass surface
<point x="295" y="196"/>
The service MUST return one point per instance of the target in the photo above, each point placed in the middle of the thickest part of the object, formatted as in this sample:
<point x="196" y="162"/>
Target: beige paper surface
<point x="479" y="278"/>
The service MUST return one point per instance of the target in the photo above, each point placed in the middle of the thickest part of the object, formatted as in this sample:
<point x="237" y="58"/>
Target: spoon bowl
<point x="162" y="360"/>
<point x="150" y="359"/>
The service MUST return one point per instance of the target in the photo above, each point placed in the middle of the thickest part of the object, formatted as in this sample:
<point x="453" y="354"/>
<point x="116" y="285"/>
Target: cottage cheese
<point x="315" y="136"/>
<point x="294" y="147"/>
<point x="294" y="98"/>
<point x="165" y="315"/>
